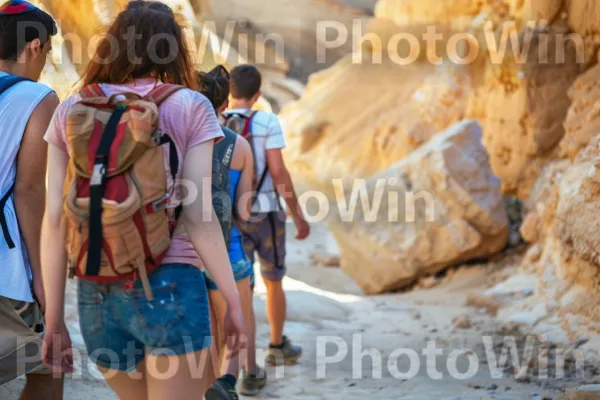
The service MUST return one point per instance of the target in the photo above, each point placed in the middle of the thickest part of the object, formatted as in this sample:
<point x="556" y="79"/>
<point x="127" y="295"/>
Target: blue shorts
<point x="120" y="326"/>
<point x="241" y="270"/>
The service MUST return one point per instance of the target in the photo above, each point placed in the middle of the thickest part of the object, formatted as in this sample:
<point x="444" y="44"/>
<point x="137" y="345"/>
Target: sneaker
<point x="221" y="390"/>
<point x="288" y="354"/>
<point x="252" y="384"/>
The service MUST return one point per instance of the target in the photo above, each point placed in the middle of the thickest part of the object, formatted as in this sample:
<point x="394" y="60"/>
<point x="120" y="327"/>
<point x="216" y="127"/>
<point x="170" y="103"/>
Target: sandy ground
<point x="335" y="324"/>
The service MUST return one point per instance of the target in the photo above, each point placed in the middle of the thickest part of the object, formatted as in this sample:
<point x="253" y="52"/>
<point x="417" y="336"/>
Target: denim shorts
<point x="120" y="326"/>
<point x="241" y="270"/>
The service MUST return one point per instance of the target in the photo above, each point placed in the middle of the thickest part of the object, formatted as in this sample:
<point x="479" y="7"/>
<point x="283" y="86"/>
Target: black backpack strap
<point x="173" y="166"/>
<point x="97" y="185"/>
<point x="6" y="82"/>
<point x="3" y="222"/>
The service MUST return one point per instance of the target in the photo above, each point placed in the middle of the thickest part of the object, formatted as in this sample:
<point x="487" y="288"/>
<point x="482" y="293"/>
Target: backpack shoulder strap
<point x="8" y="81"/>
<point x="229" y="141"/>
<point x="162" y="92"/>
<point x="248" y="125"/>
<point x="91" y="91"/>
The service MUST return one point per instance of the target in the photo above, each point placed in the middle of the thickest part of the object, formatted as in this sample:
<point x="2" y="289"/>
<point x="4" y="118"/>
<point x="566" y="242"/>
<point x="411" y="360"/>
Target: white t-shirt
<point x="267" y="135"/>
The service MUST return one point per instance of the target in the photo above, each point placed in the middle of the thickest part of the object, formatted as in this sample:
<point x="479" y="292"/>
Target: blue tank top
<point x="236" y="247"/>
<point x="16" y="106"/>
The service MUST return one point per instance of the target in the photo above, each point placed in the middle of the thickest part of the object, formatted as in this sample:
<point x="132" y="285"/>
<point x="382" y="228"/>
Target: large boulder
<point x="346" y="131"/>
<point x="449" y="210"/>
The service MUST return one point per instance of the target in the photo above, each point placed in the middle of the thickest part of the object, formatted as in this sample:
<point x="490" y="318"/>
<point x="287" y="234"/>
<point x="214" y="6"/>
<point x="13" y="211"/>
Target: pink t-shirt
<point x="187" y="116"/>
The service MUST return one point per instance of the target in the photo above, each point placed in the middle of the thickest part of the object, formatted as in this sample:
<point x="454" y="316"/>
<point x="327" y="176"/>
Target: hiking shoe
<point x="287" y="354"/>
<point x="252" y="384"/>
<point x="221" y="390"/>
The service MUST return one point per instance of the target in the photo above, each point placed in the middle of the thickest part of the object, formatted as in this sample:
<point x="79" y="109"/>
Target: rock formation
<point x="525" y="105"/>
<point x="439" y="206"/>
<point x="82" y="23"/>
<point x="296" y="30"/>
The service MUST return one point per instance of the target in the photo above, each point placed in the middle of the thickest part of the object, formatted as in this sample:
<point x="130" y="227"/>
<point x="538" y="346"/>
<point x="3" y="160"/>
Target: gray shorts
<point x="21" y="329"/>
<point x="264" y="234"/>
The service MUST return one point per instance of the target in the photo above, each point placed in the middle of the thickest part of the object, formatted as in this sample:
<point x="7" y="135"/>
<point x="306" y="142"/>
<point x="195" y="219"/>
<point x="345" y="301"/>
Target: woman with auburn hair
<point x="147" y="346"/>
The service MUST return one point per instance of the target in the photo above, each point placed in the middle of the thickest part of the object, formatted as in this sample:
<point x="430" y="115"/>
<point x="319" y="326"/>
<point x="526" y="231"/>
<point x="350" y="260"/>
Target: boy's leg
<point x="276" y="310"/>
<point x="271" y="251"/>
<point x="271" y="254"/>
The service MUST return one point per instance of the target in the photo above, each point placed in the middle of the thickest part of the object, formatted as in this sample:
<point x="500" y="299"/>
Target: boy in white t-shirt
<point x="264" y="234"/>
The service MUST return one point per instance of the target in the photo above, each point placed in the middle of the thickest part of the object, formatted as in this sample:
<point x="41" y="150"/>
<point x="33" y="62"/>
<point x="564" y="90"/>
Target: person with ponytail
<point x="233" y="167"/>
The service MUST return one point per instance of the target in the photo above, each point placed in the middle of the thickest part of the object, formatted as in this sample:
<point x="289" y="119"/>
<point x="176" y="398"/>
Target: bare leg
<point x="214" y="364"/>
<point x="177" y="377"/>
<point x="247" y="296"/>
<point x="43" y="386"/>
<point x="127" y="386"/>
<point x="229" y="365"/>
<point x="276" y="310"/>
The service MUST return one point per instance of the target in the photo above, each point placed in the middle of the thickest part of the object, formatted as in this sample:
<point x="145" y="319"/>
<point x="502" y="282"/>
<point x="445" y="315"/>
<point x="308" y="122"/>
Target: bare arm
<point x="30" y="187"/>
<point x="243" y="194"/>
<point x="285" y="188"/>
<point x="202" y="225"/>
<point x="54" y="258"/>
<point x="283" y="182"/>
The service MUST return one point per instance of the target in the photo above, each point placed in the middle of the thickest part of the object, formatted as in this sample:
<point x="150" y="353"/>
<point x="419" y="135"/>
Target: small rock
<point x="493" y="386"/>
<point x="483" y="302"/>
<point x="331" y="261"/>
<point x="522" y="377"/>
<point x="416" y="315"/>
<point x="589" y="392"/>
<point x="315" y="259"/>
<point x="428" y="282"/>
<point x="352" y="384"/>
<point x="461" y="322"/>
<point x="534" y="254"/>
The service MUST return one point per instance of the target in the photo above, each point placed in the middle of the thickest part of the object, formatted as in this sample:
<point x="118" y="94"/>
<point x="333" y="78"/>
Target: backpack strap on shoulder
<point x="6" y="82"/>
<point x="162" y="92"/>
<point x="3" y="221"/>
<point x="91" y="91"/>
<point x="248" y="125"/>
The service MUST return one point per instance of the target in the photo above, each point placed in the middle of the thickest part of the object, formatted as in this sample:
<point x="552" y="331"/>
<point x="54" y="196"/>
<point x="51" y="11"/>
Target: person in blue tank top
<point x="215" y="86"/>
<point x="26" y="108"/>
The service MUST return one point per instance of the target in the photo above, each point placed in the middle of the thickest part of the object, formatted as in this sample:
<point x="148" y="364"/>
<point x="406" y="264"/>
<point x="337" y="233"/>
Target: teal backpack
<point x="221" y="185"/>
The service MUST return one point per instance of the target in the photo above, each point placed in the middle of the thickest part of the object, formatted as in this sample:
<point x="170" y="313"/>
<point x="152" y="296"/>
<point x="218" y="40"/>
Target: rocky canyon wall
<point x="535" y="102"/>
<point x="81" y="23"/>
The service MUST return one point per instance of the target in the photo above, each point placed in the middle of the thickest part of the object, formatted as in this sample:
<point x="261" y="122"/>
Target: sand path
<point x="328" y="313"/>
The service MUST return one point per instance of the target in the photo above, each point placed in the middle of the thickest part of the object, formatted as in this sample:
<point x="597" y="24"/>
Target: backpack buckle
<point x="97" y="175"/>
<point x="158" y="205"/>
<point x="157" y="137"/>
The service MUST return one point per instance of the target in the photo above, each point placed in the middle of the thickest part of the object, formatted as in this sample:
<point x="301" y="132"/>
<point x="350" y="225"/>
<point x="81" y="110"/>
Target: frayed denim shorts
<point x="120" y="326"/>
